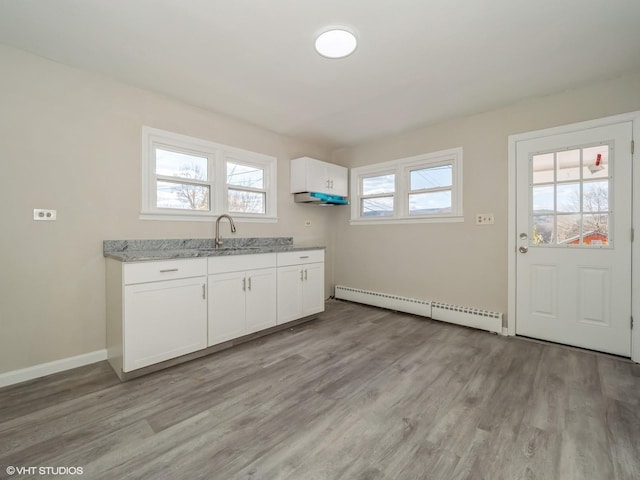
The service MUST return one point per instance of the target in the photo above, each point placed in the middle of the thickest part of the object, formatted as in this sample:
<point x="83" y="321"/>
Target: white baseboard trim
<point x="37" y="371"/>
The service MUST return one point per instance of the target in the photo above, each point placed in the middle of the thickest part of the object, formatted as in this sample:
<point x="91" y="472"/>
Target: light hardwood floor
<point x="360" y="393"/>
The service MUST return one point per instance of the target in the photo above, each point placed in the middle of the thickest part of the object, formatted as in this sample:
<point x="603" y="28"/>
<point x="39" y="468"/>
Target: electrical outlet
<point x="44" y="214"/>
<point x="307" y="223"/>
<point x="484" y="219"/>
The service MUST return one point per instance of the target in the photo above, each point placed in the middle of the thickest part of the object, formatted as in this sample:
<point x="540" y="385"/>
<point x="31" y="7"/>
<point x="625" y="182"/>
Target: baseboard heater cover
<point x="470" y="317"/>
<point x="384" y="300"/>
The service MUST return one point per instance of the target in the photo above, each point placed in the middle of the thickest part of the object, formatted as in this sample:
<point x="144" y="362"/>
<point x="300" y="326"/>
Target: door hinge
<point x="633" y="146"/>
<point x="631" y="323"/>
<point x="633" y="235"/>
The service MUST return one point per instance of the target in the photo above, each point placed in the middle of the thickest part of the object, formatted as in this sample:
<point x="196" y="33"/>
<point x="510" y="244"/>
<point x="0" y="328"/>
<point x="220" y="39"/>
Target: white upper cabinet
<point x="311" y="175"/>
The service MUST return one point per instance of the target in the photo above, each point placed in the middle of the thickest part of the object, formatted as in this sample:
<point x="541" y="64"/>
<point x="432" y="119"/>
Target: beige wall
<point x="460" y="263"/>
<point x="71" y="141"/>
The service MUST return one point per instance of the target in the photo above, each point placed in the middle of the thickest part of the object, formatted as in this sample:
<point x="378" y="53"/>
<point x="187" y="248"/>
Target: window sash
<point x="369" y="199"/>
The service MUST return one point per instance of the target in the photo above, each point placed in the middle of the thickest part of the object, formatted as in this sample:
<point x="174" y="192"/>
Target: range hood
<point x="320" y="199"/>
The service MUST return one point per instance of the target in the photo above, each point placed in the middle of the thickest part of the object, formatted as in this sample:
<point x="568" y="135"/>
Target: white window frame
<point x="402" y="168"/>
<point x="217" y="155"/>
<point x="248" y="161"/>
<point x="362" y="196"/>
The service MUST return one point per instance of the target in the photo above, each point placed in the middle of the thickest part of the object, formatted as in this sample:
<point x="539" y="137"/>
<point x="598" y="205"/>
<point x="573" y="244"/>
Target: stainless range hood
<point x="322" y="199"/>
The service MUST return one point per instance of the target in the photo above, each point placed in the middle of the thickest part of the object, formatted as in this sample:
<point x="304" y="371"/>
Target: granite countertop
<point x="148" y="250"/>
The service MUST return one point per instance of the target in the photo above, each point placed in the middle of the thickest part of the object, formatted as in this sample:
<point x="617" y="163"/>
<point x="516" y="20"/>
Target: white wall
<point x="460" y="263"/>
<point x="71" y="141"/>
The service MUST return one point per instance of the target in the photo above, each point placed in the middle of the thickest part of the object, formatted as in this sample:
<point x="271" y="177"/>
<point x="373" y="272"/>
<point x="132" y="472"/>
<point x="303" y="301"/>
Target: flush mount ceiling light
<point x="336" y="43"/>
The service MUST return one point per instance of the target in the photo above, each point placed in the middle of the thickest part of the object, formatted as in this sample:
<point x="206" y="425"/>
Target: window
<point x="377" y="195"/>
<point x="182" y="180"/>
<point x="425" y="188"/>
<point x="570" y="191"/>
<point x="193" y="179"/>
<point x="430" y="190"/>
<point x="246" y="188"/>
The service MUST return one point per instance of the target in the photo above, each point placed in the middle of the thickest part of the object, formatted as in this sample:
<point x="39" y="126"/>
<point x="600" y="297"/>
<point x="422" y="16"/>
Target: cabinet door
<point x="339" y="177"/>
<point x="163" y="320"/>
<point x="313" y="289"/>
<point x="318" y="177"/>
<point x="226" y="306"/>
<point x="260" y="299"/>
<point x="290" y="281"/>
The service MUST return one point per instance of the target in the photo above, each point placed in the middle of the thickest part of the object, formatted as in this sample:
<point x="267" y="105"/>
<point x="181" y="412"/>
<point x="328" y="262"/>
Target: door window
<point x="570" y="191"/>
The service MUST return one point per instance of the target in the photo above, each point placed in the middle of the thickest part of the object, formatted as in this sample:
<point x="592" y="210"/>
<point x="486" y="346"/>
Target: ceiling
<point x="418" y="61"/>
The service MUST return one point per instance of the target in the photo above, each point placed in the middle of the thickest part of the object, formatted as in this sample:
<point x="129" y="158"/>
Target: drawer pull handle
<point x="306" y="256"/>
<point x="305" y="273"/>
<point x="169" y="270"/>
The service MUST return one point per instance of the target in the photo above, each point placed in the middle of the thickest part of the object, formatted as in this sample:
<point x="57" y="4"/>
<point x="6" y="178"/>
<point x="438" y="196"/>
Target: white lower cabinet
<point x="164" y="320"/>
<point x="155" y="311"/>
<point x="300" y="284"/>
<point x="241" y="301"/>
<point x="159" y="310"/>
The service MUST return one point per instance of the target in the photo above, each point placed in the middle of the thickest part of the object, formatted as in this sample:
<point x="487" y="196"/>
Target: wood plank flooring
<point x="359" y="393"/>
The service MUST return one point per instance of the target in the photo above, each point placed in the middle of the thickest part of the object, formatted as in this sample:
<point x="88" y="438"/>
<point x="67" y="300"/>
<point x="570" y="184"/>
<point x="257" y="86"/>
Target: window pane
<point x="435" y="177"/>
<point x="543" y="230"/>
<point x="595" y="196"/>
<point x="569" y="198"/>
<point x="542" y="168"/>
<point x="246" y="202"/>
<point x="182" y="195"/>
<point x="430" y="203"/>
<point x="377" y="207"/>
<point x="173" y="164"/>
<point x="595" y="229"/>
<point x="568" y="229"/>
<point x="568" y="165"/>
<point x="543" y="199"/>
<point x="594" y="167"/>
<point x="379" y="184"/>
<point x="244" y="176"/>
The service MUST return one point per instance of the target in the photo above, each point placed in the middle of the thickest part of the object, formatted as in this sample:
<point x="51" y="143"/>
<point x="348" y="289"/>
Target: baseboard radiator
<point x="392" y="302"/>
<point x="470" y="317"/>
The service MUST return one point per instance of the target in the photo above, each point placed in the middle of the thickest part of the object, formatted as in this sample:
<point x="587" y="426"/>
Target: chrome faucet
<point x="218" y="240"/>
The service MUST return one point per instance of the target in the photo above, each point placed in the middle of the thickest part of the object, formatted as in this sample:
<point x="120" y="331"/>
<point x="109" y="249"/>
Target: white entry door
<point x="573" y="227"/>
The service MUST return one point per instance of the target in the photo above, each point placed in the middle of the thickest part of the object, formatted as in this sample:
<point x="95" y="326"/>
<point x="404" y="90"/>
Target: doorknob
<point x="523" y="249"/>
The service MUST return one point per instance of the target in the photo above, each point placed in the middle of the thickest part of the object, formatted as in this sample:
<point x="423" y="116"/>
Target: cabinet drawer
<point x="238" y="263"/>
<point x="164" y="270"/>
<point x="300" y="257"/>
